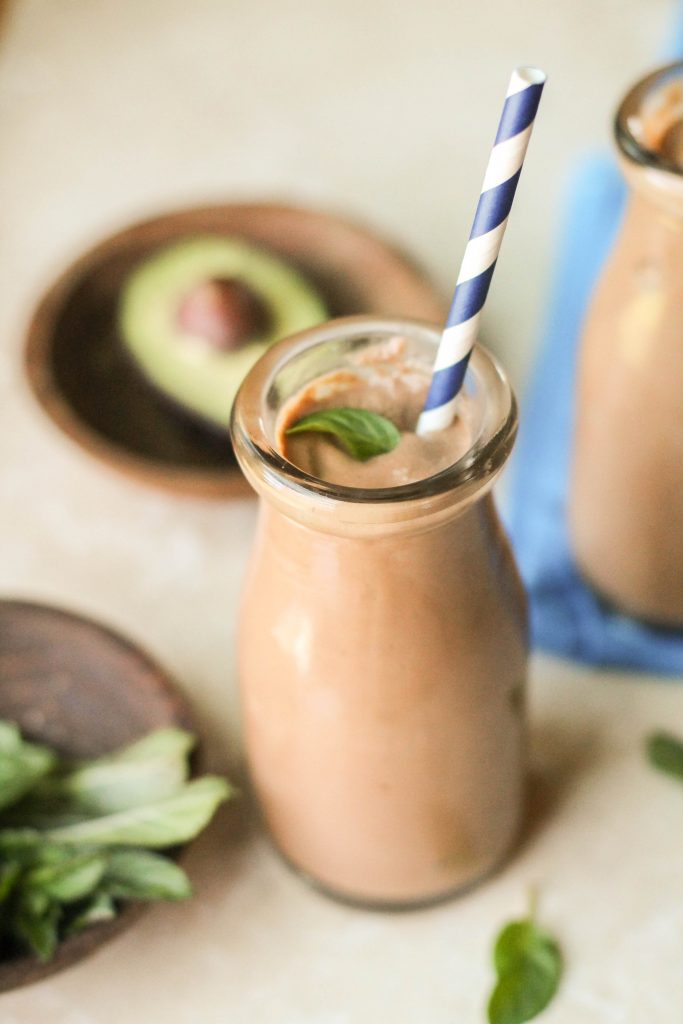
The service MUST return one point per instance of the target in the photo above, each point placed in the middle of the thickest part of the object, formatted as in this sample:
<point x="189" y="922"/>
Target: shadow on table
<point x="5" y="8"/>
<point x="562" y="755"/>
<point x="219" y="857"/>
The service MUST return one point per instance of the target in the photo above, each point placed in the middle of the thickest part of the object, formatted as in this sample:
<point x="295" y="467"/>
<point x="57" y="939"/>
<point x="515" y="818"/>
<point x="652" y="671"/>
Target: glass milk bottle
<point x="626" y="498"/>
<point x="383" y="646"/>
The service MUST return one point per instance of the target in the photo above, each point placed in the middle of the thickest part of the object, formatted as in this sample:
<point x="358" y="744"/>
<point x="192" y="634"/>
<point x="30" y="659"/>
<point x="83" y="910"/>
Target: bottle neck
<point x="355" y="511"/>
<point x="299" y="534"/>
<point x="365" y="519"/>
<point x="648" y="131"/>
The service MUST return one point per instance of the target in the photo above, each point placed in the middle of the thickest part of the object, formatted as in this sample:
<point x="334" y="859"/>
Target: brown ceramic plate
<point x="84" y="690"/>
<point x="81" y="376"/>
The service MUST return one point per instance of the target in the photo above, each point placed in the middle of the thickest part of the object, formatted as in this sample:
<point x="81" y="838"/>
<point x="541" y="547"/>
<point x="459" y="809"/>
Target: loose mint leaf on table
<point x="362" y="434"/>
<point x="528" y="963"/>
<point x="665" y="753"/>
<point x="166" y="822"/>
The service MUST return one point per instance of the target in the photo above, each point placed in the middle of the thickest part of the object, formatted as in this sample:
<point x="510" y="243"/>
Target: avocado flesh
<point x="182" y="366"/>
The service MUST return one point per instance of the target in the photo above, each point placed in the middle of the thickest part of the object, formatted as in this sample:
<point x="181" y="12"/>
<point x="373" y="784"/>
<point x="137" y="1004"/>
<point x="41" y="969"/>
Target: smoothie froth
<point x="383" y="380"/>
<point x="658" y="126"/>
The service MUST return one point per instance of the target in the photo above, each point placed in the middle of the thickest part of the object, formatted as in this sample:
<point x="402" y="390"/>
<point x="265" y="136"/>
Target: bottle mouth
<point x="296" y="360"/>
<point x="647" y="115"/>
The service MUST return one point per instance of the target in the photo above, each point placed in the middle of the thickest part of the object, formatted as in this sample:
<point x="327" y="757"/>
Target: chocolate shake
<point x="383" y="633"/>
<point x="386" y="380"/>
<point x="626" y="498"/>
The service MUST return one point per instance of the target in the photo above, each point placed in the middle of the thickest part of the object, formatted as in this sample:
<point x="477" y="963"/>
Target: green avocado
<point x="197" y="315"/>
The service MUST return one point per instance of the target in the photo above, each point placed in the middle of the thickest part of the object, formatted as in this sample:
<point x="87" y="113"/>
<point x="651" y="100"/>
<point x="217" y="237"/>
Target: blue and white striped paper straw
<point x="497" y="192"/>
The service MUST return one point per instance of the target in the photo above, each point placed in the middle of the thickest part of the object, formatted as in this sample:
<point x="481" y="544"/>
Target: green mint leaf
<point x="169" y="742"/>
<point x="9" y="876"/>
<point x="21" y="769"/>
<point x="665" y="753"/>
<point x="362" y="434"/>
<point x="30" y="814"/>
<point x="142" y="875"/>
<point x="38" y="931"/>
<point x="166" y="822"/>
<point x="69" y="881"/>
<point x="528" y="963"/>
<point x="150" y="769"/>
<point x="10" y="737"/>
<point x="15" y="841"/>
<point x="34" y="902"/>
<point x="28" y="847"/>
<point x="100" y="907"/>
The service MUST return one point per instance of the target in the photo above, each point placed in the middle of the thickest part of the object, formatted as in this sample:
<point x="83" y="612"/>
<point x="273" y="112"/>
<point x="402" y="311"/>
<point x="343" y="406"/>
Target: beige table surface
<point x="111" y="109"/>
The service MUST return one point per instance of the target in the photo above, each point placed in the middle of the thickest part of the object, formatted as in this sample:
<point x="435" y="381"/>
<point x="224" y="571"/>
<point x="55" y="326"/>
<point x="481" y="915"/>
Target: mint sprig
<point x="78" y="841"/>
<point x="361" y="433"/>
<point x="528" y="964"/>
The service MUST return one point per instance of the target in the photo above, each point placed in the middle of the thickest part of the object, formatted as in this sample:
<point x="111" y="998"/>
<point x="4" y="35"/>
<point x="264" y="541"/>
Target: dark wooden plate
<point x="86" y="691"/>
<point x="81" y="376"/>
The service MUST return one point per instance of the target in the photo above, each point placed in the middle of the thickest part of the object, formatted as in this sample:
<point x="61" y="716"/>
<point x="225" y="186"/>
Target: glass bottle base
<point x="388" y="905"/>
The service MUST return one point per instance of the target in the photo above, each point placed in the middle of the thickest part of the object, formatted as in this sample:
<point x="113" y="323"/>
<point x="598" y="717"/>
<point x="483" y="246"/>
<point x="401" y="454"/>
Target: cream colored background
<point x="384" y="109"/>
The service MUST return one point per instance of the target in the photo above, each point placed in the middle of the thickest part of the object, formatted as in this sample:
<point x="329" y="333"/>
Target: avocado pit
<point x="196" y="315"/>
<point x="224" y="312"/>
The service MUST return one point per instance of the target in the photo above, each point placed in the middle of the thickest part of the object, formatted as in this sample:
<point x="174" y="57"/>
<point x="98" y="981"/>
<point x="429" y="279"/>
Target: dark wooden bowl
<point x="79" y="371"/>
<point x="85" y="690"/>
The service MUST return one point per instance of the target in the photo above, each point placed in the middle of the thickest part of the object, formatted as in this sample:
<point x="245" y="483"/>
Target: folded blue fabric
<point x="566" y="617"/>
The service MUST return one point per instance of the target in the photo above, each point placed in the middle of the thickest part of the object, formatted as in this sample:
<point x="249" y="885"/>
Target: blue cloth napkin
<point x="567" y="619"/>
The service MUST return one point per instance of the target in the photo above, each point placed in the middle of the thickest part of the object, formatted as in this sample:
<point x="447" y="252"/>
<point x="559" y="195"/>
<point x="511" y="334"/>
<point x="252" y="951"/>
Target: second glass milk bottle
<point x="626" y="497"/>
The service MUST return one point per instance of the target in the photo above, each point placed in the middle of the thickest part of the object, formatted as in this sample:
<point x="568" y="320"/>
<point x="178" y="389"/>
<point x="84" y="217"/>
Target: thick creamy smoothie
<point x="626" y="496"/>
<point x="386" y="381"/>
<point x="658" y="125"/>
<point x="383" y="650"/>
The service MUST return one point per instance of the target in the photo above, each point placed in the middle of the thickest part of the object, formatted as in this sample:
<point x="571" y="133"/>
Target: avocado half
<point x="197" y="315"/>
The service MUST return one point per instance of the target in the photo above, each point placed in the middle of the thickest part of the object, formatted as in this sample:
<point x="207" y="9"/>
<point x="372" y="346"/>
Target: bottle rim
<point x="267" y="469"/>
<point x="627" y="140"/>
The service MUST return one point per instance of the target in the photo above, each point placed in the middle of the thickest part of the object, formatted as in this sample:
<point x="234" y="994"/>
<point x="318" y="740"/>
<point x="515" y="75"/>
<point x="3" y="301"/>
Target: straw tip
<point x="527" y="74"/>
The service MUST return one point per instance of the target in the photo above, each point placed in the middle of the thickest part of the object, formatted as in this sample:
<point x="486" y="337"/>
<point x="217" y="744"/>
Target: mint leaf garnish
<point x="528" y="963"/>
<point x="362" y="434"/>
<point x="665" y="753"/>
